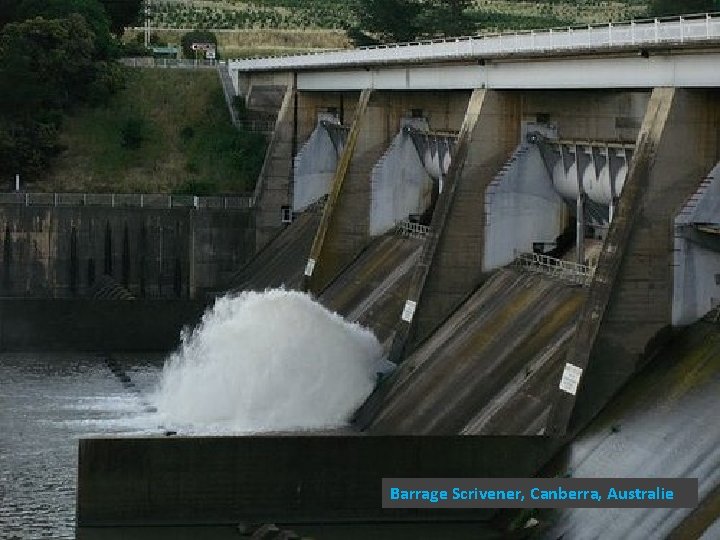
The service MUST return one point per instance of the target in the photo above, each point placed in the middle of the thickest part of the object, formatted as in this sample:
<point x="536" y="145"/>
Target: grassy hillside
<point x="262" y="27"/>
<point x="329" y="14"/>
<point x="241" y="43"/>
<point x="167" y="131"/>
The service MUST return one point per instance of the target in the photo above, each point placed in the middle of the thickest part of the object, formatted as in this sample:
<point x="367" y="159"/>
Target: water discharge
<point x="268" y="361"/>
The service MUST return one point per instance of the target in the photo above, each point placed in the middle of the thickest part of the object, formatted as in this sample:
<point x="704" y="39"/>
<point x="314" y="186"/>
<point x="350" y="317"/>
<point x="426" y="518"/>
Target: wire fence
<point x="412" y="230"/>
<point x="137" y="200"/>
<point x="170" y="63"/>
<point x="557" y="268"/>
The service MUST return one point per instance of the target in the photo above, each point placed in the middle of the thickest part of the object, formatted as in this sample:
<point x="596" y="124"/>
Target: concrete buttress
<point x="451" y="265"/>
<point x="326" y="256"/>
<point x="630" y="302"/>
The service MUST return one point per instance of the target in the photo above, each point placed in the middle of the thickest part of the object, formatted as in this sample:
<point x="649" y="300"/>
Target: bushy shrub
<point x="196" y="36"/>
<point x="133" y="133"/>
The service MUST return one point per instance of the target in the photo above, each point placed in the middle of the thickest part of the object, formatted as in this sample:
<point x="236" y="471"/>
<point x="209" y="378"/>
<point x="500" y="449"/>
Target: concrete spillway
<point x="486" y="366"/>
<point x="282" y="261"/>
<point x="662" y="425"/>
<point x="371" y="290"/>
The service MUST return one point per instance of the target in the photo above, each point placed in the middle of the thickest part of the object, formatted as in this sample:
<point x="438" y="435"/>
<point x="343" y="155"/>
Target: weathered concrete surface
<point x="282" y="261"/>
<point x="663" y="424"/>
<point x="453" y="261"/>
<point x="61" y="251"/>
<point x="400" y="185"/>
<point x="316" y="162"/>
<point x="451" y="265"/>
<point x="697" y="253"/>
<point x="630" y="301"/>
<point x="328" y="254"/>
<point x="90" y="325"/>
<point x="348" y="230"/>
<point x="521" y="208"/>
<point x="481" y="357"/>
<point x="297" y="118"/>
<point x="372" y="290"/>
<point x="289" y="480"/>
<point x="272" y="190"/>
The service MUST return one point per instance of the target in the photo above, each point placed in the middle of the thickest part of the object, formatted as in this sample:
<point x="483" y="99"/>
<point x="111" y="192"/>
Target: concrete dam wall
<point x="64" y="251"/>
<point x="552" y="250"/>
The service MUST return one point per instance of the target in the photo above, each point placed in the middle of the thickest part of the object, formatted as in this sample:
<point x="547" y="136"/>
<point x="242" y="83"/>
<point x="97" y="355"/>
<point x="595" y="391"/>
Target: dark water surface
<point x="47" y="402"/>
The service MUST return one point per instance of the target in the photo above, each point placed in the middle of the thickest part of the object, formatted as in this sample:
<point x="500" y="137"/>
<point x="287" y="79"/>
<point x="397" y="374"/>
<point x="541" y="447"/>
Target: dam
<point x="527" y="224"/>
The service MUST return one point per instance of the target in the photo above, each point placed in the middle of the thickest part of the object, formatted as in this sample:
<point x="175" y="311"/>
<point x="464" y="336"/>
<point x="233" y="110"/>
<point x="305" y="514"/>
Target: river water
<point x="323" y="366"/>
<point x="48" y="402"/>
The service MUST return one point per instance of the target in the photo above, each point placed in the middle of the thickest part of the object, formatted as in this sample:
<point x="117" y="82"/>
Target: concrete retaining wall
<point x="61" y="251"/>
<point x="309" y="479"/>
<point x="80" y="325"/>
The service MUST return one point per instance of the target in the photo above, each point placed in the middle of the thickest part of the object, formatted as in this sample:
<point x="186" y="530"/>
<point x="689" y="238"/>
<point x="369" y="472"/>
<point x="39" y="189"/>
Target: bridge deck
<point x="676" y="30"/>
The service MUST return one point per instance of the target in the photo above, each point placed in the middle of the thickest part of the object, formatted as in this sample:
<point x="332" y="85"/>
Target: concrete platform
<point x="293" y="480"/>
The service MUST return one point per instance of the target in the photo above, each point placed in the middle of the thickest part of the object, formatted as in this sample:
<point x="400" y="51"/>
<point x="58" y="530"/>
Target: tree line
<point x="54" y="55"/>
<point x="407" y="20"/>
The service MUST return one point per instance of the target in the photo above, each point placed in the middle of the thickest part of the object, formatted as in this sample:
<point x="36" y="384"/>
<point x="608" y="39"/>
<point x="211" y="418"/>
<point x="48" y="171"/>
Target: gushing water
<point x="267" y="362"/>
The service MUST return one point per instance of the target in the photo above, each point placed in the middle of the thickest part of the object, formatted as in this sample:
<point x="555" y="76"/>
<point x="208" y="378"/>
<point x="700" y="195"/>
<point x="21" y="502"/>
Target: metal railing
<point x="185" y="63"/>
<point x="684" y="29"/>
<point x="412" y="230"/>
<point x="257" y="126"/>
<point x="118" y="200"/>
<point x="556" y="268"/>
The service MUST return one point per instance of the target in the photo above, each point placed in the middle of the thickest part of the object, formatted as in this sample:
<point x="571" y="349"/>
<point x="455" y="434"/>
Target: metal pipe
<point x="580" y="233"/>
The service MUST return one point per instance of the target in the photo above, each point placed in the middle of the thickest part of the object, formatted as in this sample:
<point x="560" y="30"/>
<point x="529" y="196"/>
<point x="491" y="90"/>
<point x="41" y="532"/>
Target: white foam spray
<point x="269" y="361"/>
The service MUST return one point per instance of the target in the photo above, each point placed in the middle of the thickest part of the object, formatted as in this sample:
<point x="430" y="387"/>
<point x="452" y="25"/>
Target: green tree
<point x="390" y="20"/>
<point x="44" y="64"/>
<point x="446" y="18"/>
<point x="7" y="12"/>
<point x="405" y="20"/>
<point x="122" y="13"/>
<point x="662" y="8"/>
<point x="91" y="10"/>
<point x="46" y="67"/>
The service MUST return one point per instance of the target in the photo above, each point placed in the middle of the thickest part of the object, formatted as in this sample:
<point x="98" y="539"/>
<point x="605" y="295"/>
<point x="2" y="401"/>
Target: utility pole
<point x="147" y="23"/>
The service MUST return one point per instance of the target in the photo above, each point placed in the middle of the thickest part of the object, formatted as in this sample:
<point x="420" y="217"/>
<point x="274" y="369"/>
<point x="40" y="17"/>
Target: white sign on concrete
<point x="310" y="267"/>
<point x="203" y="46"/>
<point x="409" y="311"/>
<point x="570" y="379"/>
